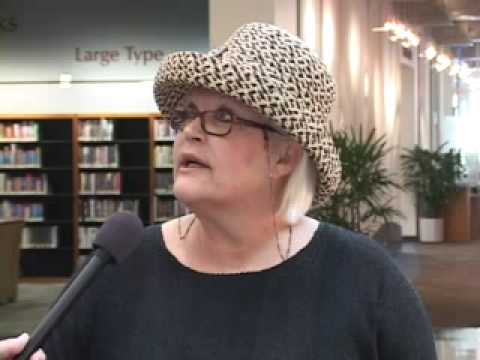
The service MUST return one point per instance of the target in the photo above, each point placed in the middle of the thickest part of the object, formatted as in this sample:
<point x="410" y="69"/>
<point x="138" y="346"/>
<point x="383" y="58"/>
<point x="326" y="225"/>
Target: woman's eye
<point x="224" y="115"/>
<point x="178" y="119"/>
<point x="183" y="115"/>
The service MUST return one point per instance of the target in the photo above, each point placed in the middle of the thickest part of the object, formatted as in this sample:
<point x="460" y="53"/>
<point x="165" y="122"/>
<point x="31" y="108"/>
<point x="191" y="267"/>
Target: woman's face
<point x="220" y="170"/>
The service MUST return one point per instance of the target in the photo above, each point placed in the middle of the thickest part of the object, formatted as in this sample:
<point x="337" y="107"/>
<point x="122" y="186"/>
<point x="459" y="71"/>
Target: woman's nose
<point x="193" y="129"/>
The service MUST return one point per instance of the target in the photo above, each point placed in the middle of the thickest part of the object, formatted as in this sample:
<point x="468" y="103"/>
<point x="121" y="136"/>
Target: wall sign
<point x="127" y="53"/>
<point x="56" y="36"/>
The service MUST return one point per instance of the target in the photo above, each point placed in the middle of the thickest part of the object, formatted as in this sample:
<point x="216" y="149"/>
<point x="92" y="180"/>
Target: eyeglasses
<point x="213" y="122"/>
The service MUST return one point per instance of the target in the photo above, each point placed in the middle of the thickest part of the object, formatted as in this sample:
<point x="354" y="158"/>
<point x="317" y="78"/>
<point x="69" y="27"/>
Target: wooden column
<point x="475" y="216"/>
<point x="10" y="240"/>
<point x="457" y="217"/>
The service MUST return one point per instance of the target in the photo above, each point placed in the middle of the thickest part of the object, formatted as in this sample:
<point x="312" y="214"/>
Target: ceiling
<point x="451" y="23"/>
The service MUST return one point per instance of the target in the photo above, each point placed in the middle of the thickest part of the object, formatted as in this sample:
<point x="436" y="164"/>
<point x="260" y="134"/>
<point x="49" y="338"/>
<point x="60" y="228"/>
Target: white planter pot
<point x="431" y="230"/>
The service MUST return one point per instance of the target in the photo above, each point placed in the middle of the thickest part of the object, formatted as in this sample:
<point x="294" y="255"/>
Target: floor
<point x="33" y="302"/>
<point x="458" y="344"/>
<point x="446" y="275"/>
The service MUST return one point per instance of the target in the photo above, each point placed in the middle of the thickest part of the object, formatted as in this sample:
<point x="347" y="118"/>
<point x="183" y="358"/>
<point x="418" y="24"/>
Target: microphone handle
<point x="64" y="302"/>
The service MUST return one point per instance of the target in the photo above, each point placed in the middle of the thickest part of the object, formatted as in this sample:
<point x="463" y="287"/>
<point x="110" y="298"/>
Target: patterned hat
<point x="272" y="71"/>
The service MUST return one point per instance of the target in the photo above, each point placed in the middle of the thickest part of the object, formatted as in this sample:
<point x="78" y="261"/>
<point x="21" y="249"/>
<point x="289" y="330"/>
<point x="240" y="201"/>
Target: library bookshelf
<point x="65" y="174"/>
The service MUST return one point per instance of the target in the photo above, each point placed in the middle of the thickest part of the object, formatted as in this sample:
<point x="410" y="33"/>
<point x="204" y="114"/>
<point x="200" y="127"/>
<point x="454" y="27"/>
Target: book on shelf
<point x="163" y="183"/>
<point x="18" y="131"/>
<point x="26" y="211"/>
<point x="163" y="156"/>
<point x="99" y="156"/>
<point x="162" y="130"/>
<point x="12" y="155"/>
<point x="164" y="192"/>
<point x="101" y="209"/>
<point x="34" y="220"/>
<point x="86" y="236"/>
<point x="81" y="259"/>
<point x="168" y="208"/>
<point x="96" y="130"/>
<point x="40" y="237"/>
<point x="26" y="183"/>
<point x="100" y="183"/>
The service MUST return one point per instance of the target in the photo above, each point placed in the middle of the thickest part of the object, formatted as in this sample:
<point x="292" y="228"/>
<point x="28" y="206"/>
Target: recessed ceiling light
<point x="465" y="17"/>
<point x="65" y="80"/>
<point x="430" y="52"/>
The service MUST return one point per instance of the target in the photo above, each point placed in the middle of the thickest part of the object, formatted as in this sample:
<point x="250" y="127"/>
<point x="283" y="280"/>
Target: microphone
<point x="117" y="238"/>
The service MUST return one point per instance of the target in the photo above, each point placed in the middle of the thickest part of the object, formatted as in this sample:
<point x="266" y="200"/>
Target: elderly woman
<point x="247" y="275"/>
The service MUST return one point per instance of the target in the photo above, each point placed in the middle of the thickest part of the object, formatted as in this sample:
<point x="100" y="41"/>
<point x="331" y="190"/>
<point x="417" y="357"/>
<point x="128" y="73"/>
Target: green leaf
<point x="362" y="196"/>
<point x="432" y="176"/>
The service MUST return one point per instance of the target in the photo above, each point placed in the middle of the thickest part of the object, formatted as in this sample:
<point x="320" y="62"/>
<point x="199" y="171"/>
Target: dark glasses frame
<point x="235" y="119"/>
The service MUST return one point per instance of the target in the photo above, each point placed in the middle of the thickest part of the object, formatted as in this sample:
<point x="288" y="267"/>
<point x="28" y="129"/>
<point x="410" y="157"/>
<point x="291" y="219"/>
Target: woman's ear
<point x="288" y="158"/>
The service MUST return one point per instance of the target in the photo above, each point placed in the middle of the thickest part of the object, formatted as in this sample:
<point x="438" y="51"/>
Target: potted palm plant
<point x="432" y="176"/>
<point x="362" y="201"/>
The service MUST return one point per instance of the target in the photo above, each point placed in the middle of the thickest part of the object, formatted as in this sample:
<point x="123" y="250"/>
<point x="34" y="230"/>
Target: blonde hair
<point x="298" y="195"/>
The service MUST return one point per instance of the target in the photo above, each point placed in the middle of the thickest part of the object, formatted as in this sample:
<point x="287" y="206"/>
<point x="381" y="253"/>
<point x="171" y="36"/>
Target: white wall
<point x="286" y="15"/>
<point x="406" y="138"/>
<point x="367" y="69"/>
<point x="55" y="36"/>
<point x="447" y="119"/>
<point x="80" y="98"/>
<point x="228" y="15"/>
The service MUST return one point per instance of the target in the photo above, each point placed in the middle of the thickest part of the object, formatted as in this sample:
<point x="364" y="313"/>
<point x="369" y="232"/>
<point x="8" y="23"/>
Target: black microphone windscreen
<point x="119" y="235"/>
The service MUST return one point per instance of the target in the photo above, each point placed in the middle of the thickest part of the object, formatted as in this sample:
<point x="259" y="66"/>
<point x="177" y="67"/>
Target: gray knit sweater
<point x="341" y="297"/>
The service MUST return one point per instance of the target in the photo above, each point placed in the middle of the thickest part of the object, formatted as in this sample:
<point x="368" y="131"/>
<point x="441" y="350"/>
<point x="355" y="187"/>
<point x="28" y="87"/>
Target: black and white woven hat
<point x="272" y="71"/>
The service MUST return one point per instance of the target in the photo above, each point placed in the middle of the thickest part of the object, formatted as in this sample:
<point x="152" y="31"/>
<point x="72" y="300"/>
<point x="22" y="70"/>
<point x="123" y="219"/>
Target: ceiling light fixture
<point x="465" y="72"/>
<point x="65" y="81"/>
<point x="430" y="53"/>
<point x="455" y="100"/>
<point x="442" y="62"/>
<point x="399" y="32"/>
<point x="454" y="68"/>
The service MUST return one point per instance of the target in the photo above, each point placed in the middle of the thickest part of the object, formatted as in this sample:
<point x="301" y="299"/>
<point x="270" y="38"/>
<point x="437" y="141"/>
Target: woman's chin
<point x="190" y="193"/>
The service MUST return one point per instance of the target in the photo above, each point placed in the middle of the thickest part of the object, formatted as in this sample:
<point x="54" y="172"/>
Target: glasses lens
<point x="218" y="122"/>
<point x="178" y="119"/>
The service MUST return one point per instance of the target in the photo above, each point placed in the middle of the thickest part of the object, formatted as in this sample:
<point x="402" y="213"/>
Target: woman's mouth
<point x="190" y="161"/>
